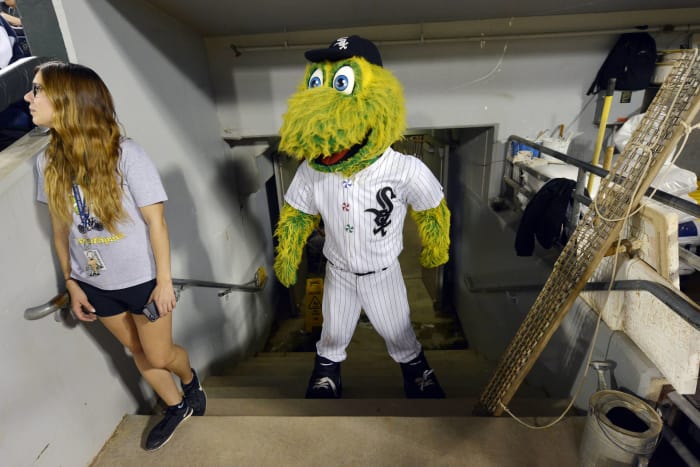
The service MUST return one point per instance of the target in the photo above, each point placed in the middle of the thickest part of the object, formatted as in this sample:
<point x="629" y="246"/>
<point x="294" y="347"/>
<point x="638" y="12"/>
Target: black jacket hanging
<point x="545" y="216"/>
<point x="631" y="62"/>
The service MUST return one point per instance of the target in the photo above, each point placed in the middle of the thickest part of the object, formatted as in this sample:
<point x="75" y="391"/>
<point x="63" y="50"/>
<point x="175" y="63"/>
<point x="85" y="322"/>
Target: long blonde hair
<point x="85" y="143"/>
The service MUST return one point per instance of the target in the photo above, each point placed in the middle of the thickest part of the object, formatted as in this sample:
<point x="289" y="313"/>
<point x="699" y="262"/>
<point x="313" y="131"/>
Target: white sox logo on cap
<point x="346" y="47"/>
<point x="342" y="43"/>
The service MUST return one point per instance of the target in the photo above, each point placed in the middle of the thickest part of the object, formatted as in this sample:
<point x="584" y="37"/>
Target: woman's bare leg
<point x="153" y="350"/>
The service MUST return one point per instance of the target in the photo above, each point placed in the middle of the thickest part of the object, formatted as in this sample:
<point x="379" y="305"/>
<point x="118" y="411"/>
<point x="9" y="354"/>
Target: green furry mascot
<point x="341" y="122"/>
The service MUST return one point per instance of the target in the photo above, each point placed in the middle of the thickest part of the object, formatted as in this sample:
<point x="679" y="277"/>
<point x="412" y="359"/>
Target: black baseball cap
<point x="346" y="47"/>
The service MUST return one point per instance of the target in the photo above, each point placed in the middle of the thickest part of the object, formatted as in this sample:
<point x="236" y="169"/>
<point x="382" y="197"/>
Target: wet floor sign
<point x="312" y="303"/>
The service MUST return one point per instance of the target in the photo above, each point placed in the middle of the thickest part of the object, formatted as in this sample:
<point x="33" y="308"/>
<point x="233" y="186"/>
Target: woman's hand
<point x="164" y="297"/>
<point x="79" y="304"/>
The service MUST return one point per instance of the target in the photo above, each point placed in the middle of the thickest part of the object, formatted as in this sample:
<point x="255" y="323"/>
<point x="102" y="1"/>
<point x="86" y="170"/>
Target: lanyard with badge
<point x="94" y="262"/>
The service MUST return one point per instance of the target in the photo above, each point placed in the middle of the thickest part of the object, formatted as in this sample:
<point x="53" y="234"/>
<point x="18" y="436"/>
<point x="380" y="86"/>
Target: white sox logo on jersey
<point x="384" y="197"/>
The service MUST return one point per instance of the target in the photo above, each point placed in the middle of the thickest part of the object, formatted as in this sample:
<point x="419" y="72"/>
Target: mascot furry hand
<point x="341" y="122"/>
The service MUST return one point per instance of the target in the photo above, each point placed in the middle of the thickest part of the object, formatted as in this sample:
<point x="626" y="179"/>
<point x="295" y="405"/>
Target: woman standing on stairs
<point x="105" y="201"/>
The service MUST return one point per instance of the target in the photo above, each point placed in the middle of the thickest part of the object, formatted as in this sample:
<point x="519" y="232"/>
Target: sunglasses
<point x="36" y="88"/>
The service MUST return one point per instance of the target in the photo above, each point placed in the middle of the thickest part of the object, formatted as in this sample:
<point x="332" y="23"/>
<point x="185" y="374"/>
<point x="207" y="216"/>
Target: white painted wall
<point x="521" y="86"/>
<point x="67" y="386"/>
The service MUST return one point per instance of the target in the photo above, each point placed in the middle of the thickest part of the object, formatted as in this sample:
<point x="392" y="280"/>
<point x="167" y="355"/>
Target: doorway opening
<point x="460" y="158"/>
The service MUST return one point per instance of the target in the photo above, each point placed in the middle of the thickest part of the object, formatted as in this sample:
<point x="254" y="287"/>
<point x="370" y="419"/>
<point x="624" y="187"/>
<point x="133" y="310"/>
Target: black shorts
<point x="113" y="302"/>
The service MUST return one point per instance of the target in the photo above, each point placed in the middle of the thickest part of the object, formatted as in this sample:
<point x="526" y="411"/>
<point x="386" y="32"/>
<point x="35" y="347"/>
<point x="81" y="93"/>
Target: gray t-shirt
<point x="115" y="260"/>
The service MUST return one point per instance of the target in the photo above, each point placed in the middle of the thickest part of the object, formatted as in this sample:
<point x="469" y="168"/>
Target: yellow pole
<point x="601" y="128"/>
<point x="607" y="160"/>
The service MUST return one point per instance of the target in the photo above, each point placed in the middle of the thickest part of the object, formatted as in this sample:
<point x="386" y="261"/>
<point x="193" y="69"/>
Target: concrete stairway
<point x="257" y="417"/>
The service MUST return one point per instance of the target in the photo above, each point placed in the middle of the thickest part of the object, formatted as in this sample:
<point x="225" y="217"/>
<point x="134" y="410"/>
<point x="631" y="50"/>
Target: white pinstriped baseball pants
<point x="383" y="297"/>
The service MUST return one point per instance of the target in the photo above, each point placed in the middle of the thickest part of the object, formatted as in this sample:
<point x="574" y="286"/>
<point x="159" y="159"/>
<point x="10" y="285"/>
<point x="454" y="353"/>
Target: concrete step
<point x="360" y="383"/>
<point x="296" y="407"/>
<point x="462" y="373"/>
<point x="358" y="354"/>
<point x="454" y="362"/>
<point x="295" y="387"/>
<point x="466" y="356"/>
<point x="263" y="441"/>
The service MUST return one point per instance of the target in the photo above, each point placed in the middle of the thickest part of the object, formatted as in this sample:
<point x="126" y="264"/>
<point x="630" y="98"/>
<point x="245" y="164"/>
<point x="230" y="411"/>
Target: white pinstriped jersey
<point x="363" y="214"/>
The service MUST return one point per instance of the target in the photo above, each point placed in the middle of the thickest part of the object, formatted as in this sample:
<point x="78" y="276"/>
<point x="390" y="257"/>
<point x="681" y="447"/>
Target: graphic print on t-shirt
<point x="94" y="263"/>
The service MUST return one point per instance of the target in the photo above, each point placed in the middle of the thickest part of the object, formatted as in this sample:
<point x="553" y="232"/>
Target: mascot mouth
<point x="343" y="155"/>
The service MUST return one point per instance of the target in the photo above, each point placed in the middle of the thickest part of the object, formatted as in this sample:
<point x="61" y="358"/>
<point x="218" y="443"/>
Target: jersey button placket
<point x="345" y="205"/>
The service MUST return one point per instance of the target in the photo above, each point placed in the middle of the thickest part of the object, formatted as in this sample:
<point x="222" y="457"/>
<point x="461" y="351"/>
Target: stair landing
<point x="257" y="416"/>
<point x="349" y="441"/>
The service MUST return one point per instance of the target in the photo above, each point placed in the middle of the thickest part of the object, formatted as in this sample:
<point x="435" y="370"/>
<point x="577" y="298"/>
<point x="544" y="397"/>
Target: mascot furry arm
<point x="434" y="232"/>
<point x="341" y="119"/>
<point x="292" y="232"/>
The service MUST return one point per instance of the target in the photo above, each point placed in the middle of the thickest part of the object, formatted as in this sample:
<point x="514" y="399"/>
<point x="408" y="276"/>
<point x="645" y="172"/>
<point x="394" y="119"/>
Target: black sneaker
<point x="419" y="380"/>
<point x="173" y="416"/>
<point x="325" y="380"/>
<point x="195" y="396"/>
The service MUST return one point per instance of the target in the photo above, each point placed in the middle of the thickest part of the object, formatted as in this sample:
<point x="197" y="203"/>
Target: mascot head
<point x="347" y="110"/>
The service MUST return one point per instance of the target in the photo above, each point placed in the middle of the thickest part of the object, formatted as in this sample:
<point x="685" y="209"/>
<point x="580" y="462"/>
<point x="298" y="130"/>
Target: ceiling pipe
<point x="422" y="40"/>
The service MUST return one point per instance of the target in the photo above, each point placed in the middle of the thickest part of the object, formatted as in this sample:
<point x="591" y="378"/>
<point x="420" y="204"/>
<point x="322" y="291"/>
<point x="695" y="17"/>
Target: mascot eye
<point x="344" y="80"/>
<point x="316" y="79"/>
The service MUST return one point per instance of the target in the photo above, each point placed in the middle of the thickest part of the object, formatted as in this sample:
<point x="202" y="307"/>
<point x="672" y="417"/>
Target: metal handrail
<point x="54" y="305"/>
<point x="254" y="285"/>
<point x="685" y="307"/>
<point x="661" y="196"/>
<point x="62" y="300"/>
